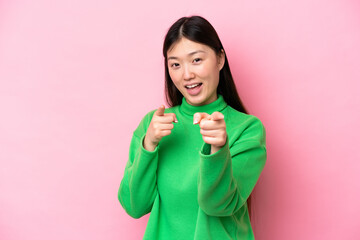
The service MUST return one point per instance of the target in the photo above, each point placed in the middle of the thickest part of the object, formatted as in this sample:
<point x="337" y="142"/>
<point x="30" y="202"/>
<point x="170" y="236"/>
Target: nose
<point x="188" y="73"/>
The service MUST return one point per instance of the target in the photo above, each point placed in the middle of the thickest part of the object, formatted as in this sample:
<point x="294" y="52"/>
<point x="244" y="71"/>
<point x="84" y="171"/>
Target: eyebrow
<point x="190" y="54"/>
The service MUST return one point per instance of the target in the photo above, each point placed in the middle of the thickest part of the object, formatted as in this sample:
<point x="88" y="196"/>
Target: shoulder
<point x="236" y="118"/>
<point x="172" y="109"/>
<point x="144" y="123"/>
<point x="242" y="125"/>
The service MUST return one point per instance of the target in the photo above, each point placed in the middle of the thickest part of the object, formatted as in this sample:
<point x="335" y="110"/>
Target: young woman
<point x="194" y="165"/>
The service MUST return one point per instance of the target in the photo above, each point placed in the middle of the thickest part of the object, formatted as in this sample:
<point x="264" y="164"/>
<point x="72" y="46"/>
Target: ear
<point x="221" y="59"/>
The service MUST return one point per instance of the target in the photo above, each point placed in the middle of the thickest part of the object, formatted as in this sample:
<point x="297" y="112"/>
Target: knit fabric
<point x="191" y="193"/>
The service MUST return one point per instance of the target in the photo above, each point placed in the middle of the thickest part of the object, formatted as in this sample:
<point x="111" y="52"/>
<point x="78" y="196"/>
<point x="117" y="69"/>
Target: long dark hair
<point x="198" y="29"/>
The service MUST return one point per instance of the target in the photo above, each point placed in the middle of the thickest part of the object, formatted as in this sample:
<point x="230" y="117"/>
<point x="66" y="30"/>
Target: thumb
<point x="160" y="111"/>
<point x="217" y="116"/>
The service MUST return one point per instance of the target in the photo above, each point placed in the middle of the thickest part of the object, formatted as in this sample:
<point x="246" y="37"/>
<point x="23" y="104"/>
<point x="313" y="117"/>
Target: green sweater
<point x="191" y="193"/>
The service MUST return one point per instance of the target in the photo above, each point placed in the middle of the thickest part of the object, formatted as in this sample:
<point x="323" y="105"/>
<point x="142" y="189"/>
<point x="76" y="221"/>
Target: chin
<point x="196" y="101"/>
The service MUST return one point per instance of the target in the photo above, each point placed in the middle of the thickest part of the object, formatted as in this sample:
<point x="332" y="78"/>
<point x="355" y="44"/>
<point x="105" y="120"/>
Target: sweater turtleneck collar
<point x="217" y="106"/>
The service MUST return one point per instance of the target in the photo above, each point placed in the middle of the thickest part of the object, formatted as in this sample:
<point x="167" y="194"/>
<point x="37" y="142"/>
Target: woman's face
<point x="194" y="69"/>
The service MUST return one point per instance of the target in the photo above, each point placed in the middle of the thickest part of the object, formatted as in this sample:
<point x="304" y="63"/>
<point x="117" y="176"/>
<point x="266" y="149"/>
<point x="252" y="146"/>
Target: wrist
<point x="214" y="149"/>
<point x="149" y="145"/>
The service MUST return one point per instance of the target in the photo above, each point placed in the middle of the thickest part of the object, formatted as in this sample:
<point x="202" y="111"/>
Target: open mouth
<point x="193" y="86"/>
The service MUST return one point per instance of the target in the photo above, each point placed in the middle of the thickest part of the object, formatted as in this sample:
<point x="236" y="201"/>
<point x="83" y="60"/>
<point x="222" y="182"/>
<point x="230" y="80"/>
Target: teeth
<point x="192" y="86"/>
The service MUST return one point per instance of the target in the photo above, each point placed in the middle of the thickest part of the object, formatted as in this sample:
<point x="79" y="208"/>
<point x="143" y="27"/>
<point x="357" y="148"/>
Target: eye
<point x="197" y="60"/>
<point x="174" y="65"/>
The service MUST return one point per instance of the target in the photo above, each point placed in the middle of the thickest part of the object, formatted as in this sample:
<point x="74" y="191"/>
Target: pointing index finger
<point x="160" y="111"/>
<point x="200" y="116"/>
<point x="217" y="116"/>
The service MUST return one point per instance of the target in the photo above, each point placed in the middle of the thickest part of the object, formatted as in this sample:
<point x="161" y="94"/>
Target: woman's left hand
<point x="212" y="129"/>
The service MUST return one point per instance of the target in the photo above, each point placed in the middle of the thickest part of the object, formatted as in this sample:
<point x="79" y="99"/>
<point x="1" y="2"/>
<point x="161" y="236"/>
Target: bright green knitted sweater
<point x="191" y="193"/>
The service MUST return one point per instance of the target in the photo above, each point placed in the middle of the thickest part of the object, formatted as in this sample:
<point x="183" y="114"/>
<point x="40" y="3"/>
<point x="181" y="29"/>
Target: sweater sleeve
<point x="227" y="177"/>
<point x="138" y="187"/>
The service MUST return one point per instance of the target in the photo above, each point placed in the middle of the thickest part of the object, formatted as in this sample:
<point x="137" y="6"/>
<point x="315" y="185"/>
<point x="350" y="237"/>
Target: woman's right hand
<point x="160" y="126"/>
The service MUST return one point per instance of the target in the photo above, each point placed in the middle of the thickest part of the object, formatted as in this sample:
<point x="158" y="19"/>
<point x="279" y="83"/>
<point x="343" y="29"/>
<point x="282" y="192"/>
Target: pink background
<point x="77" y="77"/>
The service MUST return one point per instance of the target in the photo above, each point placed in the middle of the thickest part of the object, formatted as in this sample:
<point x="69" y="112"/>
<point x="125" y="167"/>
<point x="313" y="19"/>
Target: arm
<point x="138" y="188"/>
<point x="228" y="176"/>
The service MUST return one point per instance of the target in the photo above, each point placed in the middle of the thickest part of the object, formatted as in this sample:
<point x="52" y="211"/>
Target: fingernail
<point x="196" y="120"/>
<point x="175" y="120"/>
